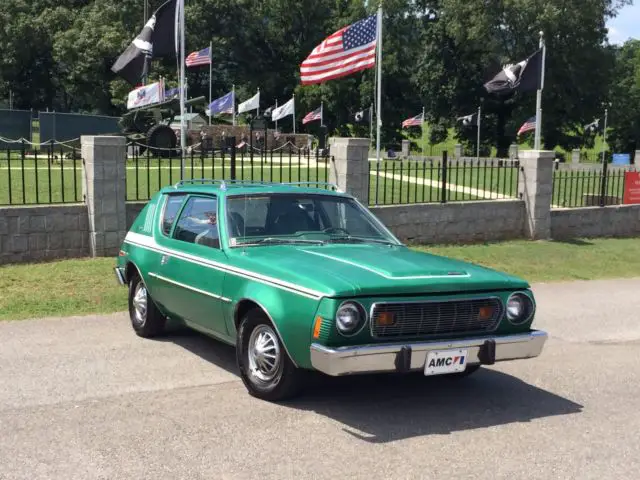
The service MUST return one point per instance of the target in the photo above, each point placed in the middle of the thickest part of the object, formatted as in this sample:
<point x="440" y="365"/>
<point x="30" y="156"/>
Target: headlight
<point x="350" y="317"/>
<point x="519" y="308"/>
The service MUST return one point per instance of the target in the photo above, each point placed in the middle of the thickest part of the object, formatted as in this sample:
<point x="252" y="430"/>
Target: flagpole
<point x="379" y="92"/>
<point x="371" y="123"/>
<point x="293" y="97"/>
<point x="539" y="95"/>
<point x="233" y="94"/>
<point x="258" y="111"/>
<point x="321" y="114"/>
<point x="478" y="146"/>
<point x="422" y="131"/>
<point x="276" y="120"/>
<point x="210" y="74"/>
<point x="183" y="133"/>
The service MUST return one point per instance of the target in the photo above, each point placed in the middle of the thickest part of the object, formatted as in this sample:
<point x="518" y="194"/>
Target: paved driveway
<point x="86" y="398"/>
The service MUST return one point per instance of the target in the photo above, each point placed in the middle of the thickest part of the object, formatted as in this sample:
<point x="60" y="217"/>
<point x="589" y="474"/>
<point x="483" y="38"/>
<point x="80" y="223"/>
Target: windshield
<point x="306" y="219"/>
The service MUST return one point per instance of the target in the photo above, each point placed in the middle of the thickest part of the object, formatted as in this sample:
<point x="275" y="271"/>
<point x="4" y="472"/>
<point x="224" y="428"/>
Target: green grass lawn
<point x="85" y="286"/>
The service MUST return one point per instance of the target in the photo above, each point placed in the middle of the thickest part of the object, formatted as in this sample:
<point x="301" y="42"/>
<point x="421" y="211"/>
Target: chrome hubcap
<point x="140" y="304"/>
<point x="264" y="353"/>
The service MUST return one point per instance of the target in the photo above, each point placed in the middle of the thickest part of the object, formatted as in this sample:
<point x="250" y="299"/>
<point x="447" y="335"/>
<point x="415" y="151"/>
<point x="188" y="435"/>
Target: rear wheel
<point x="146" y="319"/>
<point x="265" y="367"/>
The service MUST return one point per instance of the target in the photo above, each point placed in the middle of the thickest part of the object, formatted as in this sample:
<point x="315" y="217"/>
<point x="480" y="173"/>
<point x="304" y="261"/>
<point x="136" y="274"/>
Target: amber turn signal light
<point x="385" y="319"/>
<point x="316" y="327"/>
<point x="485" y="313"/>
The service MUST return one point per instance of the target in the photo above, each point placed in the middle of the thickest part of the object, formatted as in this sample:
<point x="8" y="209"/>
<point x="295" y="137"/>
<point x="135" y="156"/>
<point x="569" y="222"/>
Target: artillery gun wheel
<point x="162" y="138"/>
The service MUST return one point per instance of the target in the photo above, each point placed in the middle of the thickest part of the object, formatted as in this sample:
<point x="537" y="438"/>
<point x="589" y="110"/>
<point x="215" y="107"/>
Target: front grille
<point x="435" y="318"/>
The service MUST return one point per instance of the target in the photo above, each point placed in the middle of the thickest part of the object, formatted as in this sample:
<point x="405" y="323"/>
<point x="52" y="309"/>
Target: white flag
<point x="153" y="93"/>
<point x="252" y="104"/>
<point x="283" y="111"/>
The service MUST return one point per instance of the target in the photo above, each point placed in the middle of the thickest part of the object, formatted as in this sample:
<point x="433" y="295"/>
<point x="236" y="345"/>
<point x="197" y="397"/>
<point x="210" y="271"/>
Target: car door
<point x="191" y="265"/>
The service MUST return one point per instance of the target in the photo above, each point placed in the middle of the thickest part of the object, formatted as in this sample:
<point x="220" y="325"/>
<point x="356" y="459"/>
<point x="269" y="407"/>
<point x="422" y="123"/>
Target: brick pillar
<point x="104" y="188"/>
<point x="534" y="187"/>
<point x="349" y="168"/>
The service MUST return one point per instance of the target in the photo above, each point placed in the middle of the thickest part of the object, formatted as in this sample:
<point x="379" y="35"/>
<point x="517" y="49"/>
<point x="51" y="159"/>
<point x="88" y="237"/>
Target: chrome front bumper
<point x="403" y="357"/>
<point x="120" y="275"/>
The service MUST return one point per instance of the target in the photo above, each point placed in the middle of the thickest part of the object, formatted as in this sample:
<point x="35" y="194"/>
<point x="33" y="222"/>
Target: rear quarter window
<point x="170" y="212"/>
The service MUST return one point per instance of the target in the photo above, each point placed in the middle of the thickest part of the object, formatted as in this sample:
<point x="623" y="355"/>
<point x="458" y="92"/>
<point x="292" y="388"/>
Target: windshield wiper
<point x="264" y="241"/>
<point x="361" y="239"/>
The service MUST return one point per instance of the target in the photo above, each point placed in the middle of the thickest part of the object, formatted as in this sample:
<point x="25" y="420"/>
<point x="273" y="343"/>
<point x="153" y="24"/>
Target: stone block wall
<point x="611" y="221"/>
<point x="43" y="233"/>
<point x="456" y="222"/>
<point x="133" y="209"/>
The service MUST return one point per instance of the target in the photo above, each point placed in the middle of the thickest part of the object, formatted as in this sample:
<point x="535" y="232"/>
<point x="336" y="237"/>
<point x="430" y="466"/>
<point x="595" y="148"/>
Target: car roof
<point x="248" y="187"/>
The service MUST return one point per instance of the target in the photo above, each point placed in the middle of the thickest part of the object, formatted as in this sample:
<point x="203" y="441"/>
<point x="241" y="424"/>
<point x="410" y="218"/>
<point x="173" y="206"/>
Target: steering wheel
<point x="336" y="230"/>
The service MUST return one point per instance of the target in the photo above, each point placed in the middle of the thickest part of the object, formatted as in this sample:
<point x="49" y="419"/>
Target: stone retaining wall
<point x="43" y="233"/>
<point x="456" y="222"/>
<point x="611" y="221"/>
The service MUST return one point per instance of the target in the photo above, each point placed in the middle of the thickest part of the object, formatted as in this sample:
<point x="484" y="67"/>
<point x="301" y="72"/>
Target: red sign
<point x="631" y="187"/>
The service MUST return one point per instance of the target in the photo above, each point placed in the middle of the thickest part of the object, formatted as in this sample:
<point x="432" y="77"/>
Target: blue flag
<point x="222" y="105"/>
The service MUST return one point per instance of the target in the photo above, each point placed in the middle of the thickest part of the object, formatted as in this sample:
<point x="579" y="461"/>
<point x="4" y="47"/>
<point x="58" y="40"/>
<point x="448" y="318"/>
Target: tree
<point x="624" y="121"/>
<point x="466" y="45"/>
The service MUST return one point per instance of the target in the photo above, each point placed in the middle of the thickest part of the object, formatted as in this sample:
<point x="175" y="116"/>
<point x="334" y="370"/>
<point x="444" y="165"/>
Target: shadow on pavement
<point x="386" y="408"/>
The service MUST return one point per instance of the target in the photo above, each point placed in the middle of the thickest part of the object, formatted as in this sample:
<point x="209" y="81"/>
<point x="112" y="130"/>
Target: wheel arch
<point x="244" y="306"/>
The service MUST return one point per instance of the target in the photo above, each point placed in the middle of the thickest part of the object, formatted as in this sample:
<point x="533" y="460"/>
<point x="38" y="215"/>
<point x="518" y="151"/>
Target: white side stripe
<point x="389" y="277"/>
<point x="149" y="243"/>
<point x="197" y="290"/>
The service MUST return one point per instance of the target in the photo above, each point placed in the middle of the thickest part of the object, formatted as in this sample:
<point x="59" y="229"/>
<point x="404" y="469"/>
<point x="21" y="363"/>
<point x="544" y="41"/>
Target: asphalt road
<point x="86" y="398"/>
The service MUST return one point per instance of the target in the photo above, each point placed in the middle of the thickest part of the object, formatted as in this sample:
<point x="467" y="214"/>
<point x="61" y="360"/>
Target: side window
<point x="171" y="210"/>
<point x="198" y="222"/>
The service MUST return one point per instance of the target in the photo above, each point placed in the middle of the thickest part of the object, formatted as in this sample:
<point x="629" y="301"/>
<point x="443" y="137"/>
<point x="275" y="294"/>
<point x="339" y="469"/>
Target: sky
<point x="626" y="25"/>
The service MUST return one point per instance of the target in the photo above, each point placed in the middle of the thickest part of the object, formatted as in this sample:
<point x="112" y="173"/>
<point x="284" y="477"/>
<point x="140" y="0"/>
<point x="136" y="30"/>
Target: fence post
<point x="349" y="166"/>
<point x="232" y="159"/>
<point x="104" y="189"/>
<point x="535" y="186"/>
<point x="443" y="186"/>
<point x="603" y="183"/>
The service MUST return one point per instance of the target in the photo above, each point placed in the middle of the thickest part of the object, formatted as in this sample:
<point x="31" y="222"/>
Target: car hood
<point x="369" y="269"/>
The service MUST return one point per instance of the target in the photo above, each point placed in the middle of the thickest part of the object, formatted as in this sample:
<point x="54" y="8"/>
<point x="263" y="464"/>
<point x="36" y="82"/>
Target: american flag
<point x="528" y="126"/>
<point x="313" y="116"/>
<point x="347" y="51"/>
<point x="203" y="57"/>
<point x="413" y="121"/>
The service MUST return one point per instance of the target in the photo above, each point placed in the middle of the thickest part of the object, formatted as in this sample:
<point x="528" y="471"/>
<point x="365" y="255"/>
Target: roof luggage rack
<point x="224" y="184"/>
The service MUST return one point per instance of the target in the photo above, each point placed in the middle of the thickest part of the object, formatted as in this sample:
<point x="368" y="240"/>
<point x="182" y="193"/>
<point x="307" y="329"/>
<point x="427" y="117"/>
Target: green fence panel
<point x="14" y="125"/>
<point x="63" y="127"/>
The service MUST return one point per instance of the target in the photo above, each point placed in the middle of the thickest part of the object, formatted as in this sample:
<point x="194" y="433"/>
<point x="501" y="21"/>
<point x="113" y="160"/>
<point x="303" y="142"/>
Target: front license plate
<point x="445" y="361"/>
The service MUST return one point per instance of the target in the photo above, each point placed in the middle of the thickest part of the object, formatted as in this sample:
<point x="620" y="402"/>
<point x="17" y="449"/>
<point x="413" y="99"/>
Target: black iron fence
<point x="149" y="171"/>
<point x="430" y="181"/>
<point x="49" y="174"/>
<point x="579" y="186"/>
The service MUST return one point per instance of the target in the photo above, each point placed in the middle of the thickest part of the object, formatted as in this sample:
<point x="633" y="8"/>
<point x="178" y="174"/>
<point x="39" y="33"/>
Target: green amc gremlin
<point x="303" y="277"/>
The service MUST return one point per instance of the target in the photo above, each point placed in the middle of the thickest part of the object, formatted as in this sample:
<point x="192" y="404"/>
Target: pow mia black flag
<point x="469" y="120"/>
<point x="363" y="115"/>
<point x="524" y="76"/>
<point x="156" y="39"/>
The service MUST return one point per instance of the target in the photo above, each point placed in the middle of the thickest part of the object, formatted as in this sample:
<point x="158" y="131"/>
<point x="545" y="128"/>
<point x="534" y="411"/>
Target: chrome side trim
<point x="120" y="276"/>
<point x="149" y="243"/>
<point x="382" y="358"/>
<point x="188" y="287"/>
<point x="446" y="300"/>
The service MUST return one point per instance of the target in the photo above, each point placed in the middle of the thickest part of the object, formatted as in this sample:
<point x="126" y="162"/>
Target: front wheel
<point x="265" y="367"/>
<point x="146" y="319"/>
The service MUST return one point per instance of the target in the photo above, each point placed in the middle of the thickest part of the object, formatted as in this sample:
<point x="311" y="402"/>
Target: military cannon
<point x="150" y="125"/>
